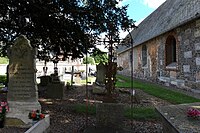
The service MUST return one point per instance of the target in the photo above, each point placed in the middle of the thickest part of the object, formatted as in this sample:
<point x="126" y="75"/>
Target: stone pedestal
<point x="22" y="88"/>
<point x="110" y="115"/>
<point x="20" y="110"/>
<point x="55" y="90"/>
<point x="45" y="80"/>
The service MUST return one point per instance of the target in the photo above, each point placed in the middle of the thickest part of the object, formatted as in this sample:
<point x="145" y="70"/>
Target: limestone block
<point x="197" y="46"/>
<point x="188" y="54"/>
<point x="179" y="38"/>
<point x="186" y="68"/>
<point x="186" y="42"/>
<point x="197" y="32"/>
<point x="173" y="74"/>
<point x="198" y="76"/>
<point x="198" y="61"/>
<point x="188" y="31"/>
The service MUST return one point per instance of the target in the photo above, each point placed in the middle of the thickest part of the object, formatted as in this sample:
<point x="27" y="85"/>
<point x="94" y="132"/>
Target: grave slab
<point x="175" y="119"/>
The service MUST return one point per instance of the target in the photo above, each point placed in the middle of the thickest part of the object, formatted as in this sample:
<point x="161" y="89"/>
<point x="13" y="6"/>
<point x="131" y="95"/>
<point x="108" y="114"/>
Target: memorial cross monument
<point x="22" y="88"/>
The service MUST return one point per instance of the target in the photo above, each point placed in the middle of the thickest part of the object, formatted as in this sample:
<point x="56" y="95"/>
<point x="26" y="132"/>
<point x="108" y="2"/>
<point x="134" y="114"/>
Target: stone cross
<point x="22" y="88"/>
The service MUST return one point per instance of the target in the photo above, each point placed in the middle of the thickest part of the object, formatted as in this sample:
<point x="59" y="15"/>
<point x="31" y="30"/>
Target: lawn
<point x="159" y="91"/>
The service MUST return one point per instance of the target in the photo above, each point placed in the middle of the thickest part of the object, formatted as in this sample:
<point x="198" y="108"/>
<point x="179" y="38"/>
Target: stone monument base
<point x="20" y="110"/>
<point x="107" y="120"/>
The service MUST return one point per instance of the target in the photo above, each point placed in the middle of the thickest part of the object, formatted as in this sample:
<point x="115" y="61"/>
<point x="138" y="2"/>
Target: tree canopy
<point x="100" y="56"/>
<point x="67" y="27"/>
<point x="89" y="60"/>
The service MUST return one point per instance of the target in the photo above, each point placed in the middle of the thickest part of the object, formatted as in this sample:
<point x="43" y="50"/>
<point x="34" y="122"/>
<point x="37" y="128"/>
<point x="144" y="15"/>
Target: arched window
<point x="144" y="55"/>
<point x="170" y="50"/>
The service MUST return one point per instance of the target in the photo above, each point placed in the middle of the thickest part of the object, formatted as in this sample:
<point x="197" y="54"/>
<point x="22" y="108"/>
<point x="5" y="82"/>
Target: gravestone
<point x="22" y="88"/>
<point x="110" y="115"/>
<point x="101" y="74"/>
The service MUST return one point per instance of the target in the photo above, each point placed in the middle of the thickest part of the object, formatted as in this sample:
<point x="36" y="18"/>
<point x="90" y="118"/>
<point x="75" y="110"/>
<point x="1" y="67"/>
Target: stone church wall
<point x="186" y="73"/>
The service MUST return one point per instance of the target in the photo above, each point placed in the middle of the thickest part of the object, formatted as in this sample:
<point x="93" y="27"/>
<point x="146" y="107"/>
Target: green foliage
<point x="89" y="60"/>
<point x="2" y="78"/>
<point x="3" y="60"/>
<point x="100" y="56"/>
<point x="157" y="90"/>
<point x="142" y="113"/>
<point x="64" y="27"/>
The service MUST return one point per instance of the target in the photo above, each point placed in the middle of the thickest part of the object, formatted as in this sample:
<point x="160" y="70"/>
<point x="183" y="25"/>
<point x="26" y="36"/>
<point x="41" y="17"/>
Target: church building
<point x="166" y="46"/>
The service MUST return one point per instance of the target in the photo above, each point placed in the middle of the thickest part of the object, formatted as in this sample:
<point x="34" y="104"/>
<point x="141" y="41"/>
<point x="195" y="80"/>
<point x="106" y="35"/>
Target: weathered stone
<point x="197" y="46"/>
<point x="179" y="38"/>
<point x="197" y="32"/>
<point x="187" y="42"/>
<point x="187" y="49"/>
<point x="107" y="119"/>
<point x="198" y="23"/>
<point x="188" y="54"/>
<point x="188" y="31"/>
<point x="101" y="73"/>
<point x="55" y="90"/>
<point x="173" y="74"/>
<point x="198" y="61"/>
<point x="175" y="120"/>
<point x="198" y="76"/>
<point x="186" y="68"/>
<point x="22" y="94"/>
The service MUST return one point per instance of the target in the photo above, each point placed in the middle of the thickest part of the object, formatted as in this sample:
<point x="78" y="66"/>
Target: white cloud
<point x="153" y="3"/>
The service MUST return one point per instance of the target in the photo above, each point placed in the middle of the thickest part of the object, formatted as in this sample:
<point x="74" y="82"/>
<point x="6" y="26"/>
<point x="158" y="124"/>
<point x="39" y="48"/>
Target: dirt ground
<point x="64" y="120"/>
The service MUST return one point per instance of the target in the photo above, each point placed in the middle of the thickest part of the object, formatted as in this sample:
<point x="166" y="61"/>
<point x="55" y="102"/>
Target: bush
<point x="3" y="60"/>
<point x="2" y="78"/>
<point x="89" y="60"/>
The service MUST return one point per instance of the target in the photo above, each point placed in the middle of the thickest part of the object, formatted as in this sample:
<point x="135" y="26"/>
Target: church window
<point x="170" y="51"/>
<point x="144" y="55"/>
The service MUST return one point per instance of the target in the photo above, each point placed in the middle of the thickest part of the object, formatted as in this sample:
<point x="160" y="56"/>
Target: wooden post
<point x="72" y="75"/>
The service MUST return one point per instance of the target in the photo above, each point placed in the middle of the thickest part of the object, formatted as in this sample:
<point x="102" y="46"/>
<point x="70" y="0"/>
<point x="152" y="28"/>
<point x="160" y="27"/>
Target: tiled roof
<point x="168" y="16"/>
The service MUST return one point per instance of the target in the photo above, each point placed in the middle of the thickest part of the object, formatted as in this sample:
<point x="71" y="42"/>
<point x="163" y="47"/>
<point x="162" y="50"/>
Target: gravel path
<point x="64" y="120"/>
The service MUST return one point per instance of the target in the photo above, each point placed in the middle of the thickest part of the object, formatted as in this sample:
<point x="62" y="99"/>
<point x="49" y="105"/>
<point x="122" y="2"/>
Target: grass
<point x="156" y="90"/>
<point x="142" y="113"/>
<point x="139" y="113"/>
<point x="81" y="108"/>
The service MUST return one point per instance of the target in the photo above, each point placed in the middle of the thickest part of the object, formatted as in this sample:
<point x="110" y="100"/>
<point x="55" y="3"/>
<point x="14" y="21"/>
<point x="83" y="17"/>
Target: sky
<point x="138" y="10"/>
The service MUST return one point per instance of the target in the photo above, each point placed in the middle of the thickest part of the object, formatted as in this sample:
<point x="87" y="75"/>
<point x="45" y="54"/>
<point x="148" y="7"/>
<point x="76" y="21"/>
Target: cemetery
<point x="41" y="93"/>
<point x="53" y="106"/>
